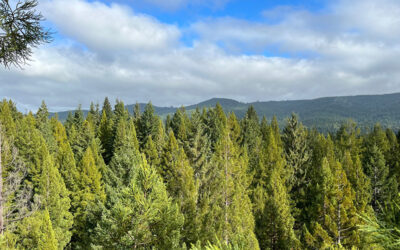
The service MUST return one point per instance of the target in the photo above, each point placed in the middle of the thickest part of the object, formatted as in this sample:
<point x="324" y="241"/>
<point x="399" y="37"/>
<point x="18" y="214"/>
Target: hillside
<point x="325" y="114"/>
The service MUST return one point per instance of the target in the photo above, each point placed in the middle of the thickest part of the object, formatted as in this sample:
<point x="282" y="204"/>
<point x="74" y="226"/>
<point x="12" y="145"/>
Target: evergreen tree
<point x="90" y="192"/>
<point x="144" y="216"/>
<point x="106" y="136"/>
<point x="147" y="125"/>
<point x="7" y="120"/>
<point x="181" y="186"/>
<point x="45" y="179"/>
<point x="277" y="232"/>
<point x="359" y="181"/>
<point x="107" y="109"/>
<point x="126" y="156"/>
<point x="251" y="137"/>
<point x="151" y="153"/>
<point x="215" y="121"/>
<point x="36" y="232"/>
<point x="298" y="154"/>
<point x="274" y="222"/>
<point x="64" y="158"/>
<point x="55" y="197"/>
<point x="180" y="124"/>
<point x="378" y="172"/>
<point x="229" y="217"/>
<point x="93" y="116"/>
<point x="44" y="126"/>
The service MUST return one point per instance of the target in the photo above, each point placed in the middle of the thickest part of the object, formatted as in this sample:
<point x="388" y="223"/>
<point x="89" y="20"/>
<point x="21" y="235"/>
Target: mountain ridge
<point x="324" y="113"/>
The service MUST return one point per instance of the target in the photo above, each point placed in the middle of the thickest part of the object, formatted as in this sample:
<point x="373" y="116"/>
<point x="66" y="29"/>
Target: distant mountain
<point x="325" y="114"/>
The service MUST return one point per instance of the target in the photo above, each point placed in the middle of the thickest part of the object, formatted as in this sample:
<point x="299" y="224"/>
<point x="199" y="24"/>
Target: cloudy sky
<point x="177" y="52"/>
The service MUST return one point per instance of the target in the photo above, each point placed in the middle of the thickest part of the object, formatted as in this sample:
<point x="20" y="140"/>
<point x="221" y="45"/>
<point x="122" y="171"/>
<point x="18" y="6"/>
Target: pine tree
<point x="107" y="109"/>
<point x="359" y="181"/>
<point x="335" y="221"/>
<point x="36" y="232"/>
<point x="180" y="124"/>
<point x="277" y="227"/>
<point x="144" y="216"/>
<point x="151" y="153"/>
<point x="7" y="120"/>
<point x="215" y="121"/>
<point x="378" y="172"/>
<point x="229" y="217"/>
<point x="251" y="136"/>
<point x="148" y="125"/>
<point x="298" y="155"/>
<point x="181" y="186"/>
<point x="126" y="156"/>
<point x="271" y="203"/>
<point x="93" y="116"/>
<point x="393" y="156"/>
<point x="64" y="158"/>
<point x="106" y="136"/>
<point x="44" y="126"/>
<point x="45" y="179"/>
<point x="90" y="192"/>
<point x="55" y="197"/>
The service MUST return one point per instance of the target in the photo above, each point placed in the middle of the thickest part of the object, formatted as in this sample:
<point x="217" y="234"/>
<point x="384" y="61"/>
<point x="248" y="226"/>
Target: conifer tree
<point x="277" y="231"/>
<point x="271" y="203"/>
<point x="298" y="155"/>
<point x="36" y="232"/>
<point x="215" y="121"/>
<point x="45" y="179"/>
<point x="144" y="216"/>
<point x="229" y="217"/>
<point x="378" y="172"/>
<point x="359" y="181"/>
<point x="198" y="151"/>
<point x="136" y="113"/>
<point x="393" y="156"/>
<point x="90" y="192"/>
<point x="126" y="156"/>
<point x="180" y="124"/>
<point x="151" y="153"/>
<point x="106" y="136"/>
<point x="181" y="186"/>
<point x="147" y="125"/>
<point x="335" y="221"/>
<point x="44" y="126"/>
<point x="107" y="108"/>
<point x="251" y="136"/>
<point x="64" y="158"/>
<point x="55" y="197"/>
<point x="93" y="116"/>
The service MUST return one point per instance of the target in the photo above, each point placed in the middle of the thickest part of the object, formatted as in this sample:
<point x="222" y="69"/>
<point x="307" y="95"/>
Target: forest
<point x="198" y="180"/>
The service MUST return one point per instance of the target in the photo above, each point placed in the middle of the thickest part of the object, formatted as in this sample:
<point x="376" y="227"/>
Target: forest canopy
<point x="204" y="180"/>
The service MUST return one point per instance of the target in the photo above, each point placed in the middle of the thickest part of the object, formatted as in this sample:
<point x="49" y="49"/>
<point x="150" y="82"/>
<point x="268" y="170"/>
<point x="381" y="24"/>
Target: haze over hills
<point x="325" y="114"/>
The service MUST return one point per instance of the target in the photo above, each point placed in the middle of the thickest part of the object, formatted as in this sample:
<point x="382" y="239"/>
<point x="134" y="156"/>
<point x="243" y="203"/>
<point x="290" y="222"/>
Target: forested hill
<point x="325" y="114"/>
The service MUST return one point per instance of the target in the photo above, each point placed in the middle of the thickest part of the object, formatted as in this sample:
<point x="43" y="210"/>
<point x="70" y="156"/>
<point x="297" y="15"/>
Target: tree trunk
<point x="226" y="195"/>
<point x="1" y="193"/>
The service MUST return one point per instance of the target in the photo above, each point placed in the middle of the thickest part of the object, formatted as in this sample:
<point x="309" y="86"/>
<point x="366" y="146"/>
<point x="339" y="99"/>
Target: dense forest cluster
<point x="203" y="180"/>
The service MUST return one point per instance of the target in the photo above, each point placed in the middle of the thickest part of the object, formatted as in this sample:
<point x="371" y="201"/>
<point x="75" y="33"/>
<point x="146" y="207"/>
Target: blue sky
<point x="177" y="52"/>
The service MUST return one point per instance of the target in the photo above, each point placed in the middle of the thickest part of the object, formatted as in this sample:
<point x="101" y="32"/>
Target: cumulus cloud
<point x="114" y="28"/>
<point x="332" y="52"/>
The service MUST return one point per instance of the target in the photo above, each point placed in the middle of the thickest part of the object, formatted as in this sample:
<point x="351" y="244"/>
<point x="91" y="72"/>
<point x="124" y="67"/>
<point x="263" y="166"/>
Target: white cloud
<point x="114" y="28"/>
<point x="134" y="57"/>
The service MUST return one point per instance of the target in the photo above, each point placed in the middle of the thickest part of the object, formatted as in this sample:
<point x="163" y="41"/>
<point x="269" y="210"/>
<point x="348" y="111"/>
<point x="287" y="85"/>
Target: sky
<point x="179" y="52"/>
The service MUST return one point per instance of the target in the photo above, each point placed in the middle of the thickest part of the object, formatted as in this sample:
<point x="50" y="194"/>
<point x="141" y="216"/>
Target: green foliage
<point x="36" y="232"/>
<point x="21" y="32"/>
<point x="144" y="216"/>
<point x="214" y="182"/>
